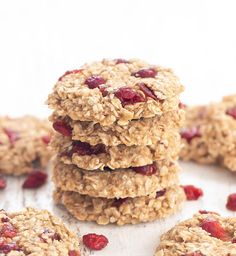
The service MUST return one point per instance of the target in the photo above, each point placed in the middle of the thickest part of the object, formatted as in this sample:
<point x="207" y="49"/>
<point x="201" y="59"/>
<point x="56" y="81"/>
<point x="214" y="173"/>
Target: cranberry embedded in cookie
<point x="145" y="73"/>
<point x="94" y="81"/>
<point x="128" y="96"/>
<point x="191" y="133"/>
<point x="231" y="112"/>
<point x="62" y="127"/>
<point x="146" y="170"/>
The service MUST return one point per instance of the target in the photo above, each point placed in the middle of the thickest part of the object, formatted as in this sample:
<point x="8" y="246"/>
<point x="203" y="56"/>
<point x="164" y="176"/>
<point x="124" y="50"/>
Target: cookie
<point x="120" y="183"/>
<point x="36" y="232"/>
<point x="90" y="157"/>
<point x="206" y="234"/>
<point x="23" y="144"/>
<point x="140" y="132"/>
<point x="209" y="134"/>
<point x="122" y="211"/>
<point x="111" y="91"/>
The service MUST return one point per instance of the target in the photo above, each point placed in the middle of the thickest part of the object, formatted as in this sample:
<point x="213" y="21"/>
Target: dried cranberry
<point x="73" y="253"/>
<point x="182" y="105"/>
<point x="3" y="182"/>
<point x="231" y="202"/>
<point x="94" y="81"/>
<point x="51" y="235"/>
<point x="46" y="139"/>
<point x="118" y="202"/>
<point x="213" y="227"/>
<point x="103" y="90"/>
<point x="234" y="240"/>
<point x="35" y="179"/>
<point x="7" y="230"/>
<point x="70" y="72"/>
<point x="192" y="192"/>
<point x="147" y="91"/>
<point x="160" y="193"/>
<point x="12" y="135"/>
<point x="95" y="242"/>
<point x="4" y="219"/>
<point x="191" y="133"/>
<point x="8" y="247"/>
<point x="119" y="61"/>
<point x="145" y="73"/>
<point x="128" y="96"/>
<point x="83" y="148"/>
<point x="207" y="212"/>
<point x="147" y="170"/>
<point x="62" y="127"/>
<point x="231" y="112"/>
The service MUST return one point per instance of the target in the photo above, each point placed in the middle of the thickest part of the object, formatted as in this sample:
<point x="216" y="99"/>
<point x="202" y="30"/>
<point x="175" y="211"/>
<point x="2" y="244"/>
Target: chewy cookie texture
<point x="206" y="234"/>
<point x="23" y="144"/>
<point x="117" y="142"/>
<point x="209" y="133"/>
<point x="36" y="232"/>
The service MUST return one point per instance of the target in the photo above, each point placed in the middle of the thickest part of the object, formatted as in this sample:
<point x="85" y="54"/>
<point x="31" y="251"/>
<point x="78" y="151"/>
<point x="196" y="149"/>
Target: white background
<point x="40" y="40"/>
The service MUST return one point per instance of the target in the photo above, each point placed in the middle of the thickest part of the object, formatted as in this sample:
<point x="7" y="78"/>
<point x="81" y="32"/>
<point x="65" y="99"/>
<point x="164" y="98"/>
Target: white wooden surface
<point x="137" y="240"/>
<point x="39" y="40"/>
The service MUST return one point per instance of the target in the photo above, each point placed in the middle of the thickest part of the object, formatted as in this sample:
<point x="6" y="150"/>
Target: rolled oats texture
<point x="23" y="143"/>
<point x="72" y="97"/>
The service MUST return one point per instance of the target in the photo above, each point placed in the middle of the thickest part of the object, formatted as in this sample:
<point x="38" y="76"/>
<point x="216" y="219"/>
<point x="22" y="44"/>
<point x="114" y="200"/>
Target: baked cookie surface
<point x="120" y="183"/>
<point x="141" y="132"/>
<point x="206" y="234"/>
<point x="209" y="134"/>
<point x="100" y="156"/>
<point x="122" y="211"/>
<point x="36" y="232"/>
<point x="115" y="91"/>
<point x="23" y="143"/>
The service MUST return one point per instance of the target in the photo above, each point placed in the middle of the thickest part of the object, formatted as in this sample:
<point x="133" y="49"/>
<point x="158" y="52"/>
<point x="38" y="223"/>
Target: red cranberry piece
<point x="207" y="212"/>
<point x="128" y="96"/>
<point x="84" y="148"/>
<point x="75" y="71"/>
<point x="94" y="81"/>
<point x="3" y="182"/>
<point x="94" y="241"/>
<point x="160" y="193"/>
<point x="231" y="112"/>
<point x="119" y="61"/>
<point x="73" y="253"/>
<point x="145" y="73"/>
<point x="182" y="105"/>
<point x="192" y="192"/>
<point x="52" y="236"/>
<point x="46" y="139"/>
<point x="191" y="133"/>
<point x="118" y="202"/>
<point x="103" y="91"/>
<point x="231" y="202"/>
<point x="12" y="135"/>
<point x="147" y="91"/>
<point x="147" y="170"/>
<point x="233" y="240"/>
<point x="4" y="219"/>
<point x="8" y="247"/>
<point x="7" y="230"/>
<point x="35" y="179"/>
<point x="62" y="127"/>
<point x="215" y="229"/>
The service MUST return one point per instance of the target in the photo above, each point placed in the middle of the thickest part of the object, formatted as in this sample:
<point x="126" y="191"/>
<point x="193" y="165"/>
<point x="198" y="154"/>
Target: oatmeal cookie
<point x="122" y="211"/>
<point x="206" y="234"/>
<point x="120" y="183"/>
<point x="111" y="91"/>
<point x="36" y="232"/>
<point x="141" y="132"/>
<point x="90" y="157"/>
<point x="209" y="135"/>
<point x="23" y="144"/>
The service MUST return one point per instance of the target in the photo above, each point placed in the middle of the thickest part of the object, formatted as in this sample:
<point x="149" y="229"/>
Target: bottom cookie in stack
<point x="120" y="196"/>
<point x="122" y="211"/>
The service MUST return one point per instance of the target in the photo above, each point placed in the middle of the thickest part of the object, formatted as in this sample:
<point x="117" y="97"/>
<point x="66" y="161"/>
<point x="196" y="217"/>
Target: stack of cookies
<point x="117" y="142"/>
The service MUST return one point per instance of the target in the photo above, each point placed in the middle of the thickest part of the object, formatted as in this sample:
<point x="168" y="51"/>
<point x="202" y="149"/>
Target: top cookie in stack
<point x="117" y="124"/>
